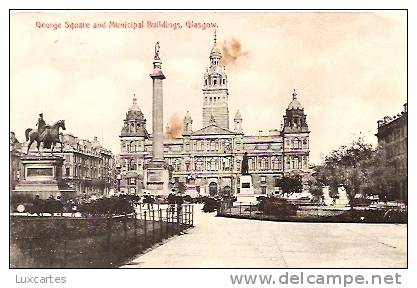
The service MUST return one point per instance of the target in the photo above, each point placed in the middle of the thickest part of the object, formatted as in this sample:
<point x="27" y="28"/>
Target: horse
<point x="49" y="137"/>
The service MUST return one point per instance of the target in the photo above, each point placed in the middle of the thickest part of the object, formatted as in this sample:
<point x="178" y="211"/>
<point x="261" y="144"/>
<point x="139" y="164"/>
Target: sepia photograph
<point x="208" y="139"/>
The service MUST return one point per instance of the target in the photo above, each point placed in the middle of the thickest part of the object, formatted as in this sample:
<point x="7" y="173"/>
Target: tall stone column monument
<point x="157" y="175"/>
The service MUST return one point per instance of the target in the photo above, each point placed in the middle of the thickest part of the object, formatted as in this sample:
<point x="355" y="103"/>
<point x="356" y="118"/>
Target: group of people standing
<point x="73" y="205"/>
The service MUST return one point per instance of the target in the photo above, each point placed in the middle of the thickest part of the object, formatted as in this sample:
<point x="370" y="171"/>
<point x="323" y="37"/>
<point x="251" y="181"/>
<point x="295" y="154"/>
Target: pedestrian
<point x="73" y="207"/>
<point x="179" y="200"/>
<point x="37" y="205"/>
<point x="50" y="205"/>
<point x="59" y="205"/>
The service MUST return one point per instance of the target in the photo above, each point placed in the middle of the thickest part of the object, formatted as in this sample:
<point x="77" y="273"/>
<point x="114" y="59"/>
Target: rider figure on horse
<point x="46" y="134"/>
<point x="41" y="124"/>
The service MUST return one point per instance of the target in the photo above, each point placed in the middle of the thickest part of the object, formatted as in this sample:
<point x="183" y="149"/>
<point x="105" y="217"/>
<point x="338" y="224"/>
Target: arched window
<point x="213" y="164"/>
<point x="177" y="165"/>
<point x="205" y="81"/>
<point x="296" y="143"/>
<point x="263" y="164"/>
<point x="215" y="81"/>
<point x="213" y="145"/>
<point x="226" y="164"/>
<point x="295" y="163"/>
<point x="275" y="163"/>
<point x="199" y="165"/>
<point x="251" y="164"/>
<point x="224" y="81"/>
<point x="238" y="165"/>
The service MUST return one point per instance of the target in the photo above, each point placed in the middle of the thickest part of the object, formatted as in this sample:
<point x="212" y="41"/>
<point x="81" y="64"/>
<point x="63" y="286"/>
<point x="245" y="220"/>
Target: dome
<point x="215" y="51"/>
<point x="134" y="111"/>
<point x="294" y="104"/>
<point x="134" y="106"/>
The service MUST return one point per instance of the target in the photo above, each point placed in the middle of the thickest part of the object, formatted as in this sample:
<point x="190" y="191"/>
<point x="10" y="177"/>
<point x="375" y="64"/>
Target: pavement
<point x="217" y="242"/>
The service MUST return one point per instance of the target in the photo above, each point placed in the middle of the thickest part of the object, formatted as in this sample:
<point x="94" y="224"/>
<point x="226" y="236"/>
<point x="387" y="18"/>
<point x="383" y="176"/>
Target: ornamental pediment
<point x="212" y="130"/>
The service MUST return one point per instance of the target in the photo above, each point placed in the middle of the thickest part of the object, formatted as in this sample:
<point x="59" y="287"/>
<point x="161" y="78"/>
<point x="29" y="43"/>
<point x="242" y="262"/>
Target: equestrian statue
<point x="48" y="135"/>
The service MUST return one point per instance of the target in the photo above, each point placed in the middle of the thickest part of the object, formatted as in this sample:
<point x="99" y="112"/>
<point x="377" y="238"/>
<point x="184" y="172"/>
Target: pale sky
<point x="349" y="70"/>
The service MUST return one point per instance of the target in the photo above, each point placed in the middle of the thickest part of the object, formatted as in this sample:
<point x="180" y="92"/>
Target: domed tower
<point x="238" y="122"/>
<point x="215" y="92"/>
<point x="132" y="149"/>
<point x="295" y="120"/>
<point x="188" y="124"/>
<point x="134" y="129"/>
<point x="296" y="138"/>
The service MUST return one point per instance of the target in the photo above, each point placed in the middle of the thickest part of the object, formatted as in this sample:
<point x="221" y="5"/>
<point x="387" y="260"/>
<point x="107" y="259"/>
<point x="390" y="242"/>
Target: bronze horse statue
<point x="49" y="136"/>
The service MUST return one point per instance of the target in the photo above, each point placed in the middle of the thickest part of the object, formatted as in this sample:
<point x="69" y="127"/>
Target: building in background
<point x="392" y="136"/>
<point x="15" y="164"/>
<point x="87" y="168"/>
<point x="209" y="159"/>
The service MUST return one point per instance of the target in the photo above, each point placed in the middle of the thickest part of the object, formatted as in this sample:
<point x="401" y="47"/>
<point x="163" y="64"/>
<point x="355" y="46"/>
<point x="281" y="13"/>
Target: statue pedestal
<point x="343" y="200"/>
<point x="247" y="193"/>
<point x="157" y="178"/>
<point x="42" y="175"/>
<point x="326" y="196"/>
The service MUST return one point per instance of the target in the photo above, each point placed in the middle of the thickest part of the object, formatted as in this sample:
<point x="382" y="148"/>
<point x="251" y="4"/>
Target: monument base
<point x="342" y="201"/>
<point x="247" y="193"/>
<point x="42" y="176"/>
<point x="245" y="199"/>
<point x="157" y="178"/>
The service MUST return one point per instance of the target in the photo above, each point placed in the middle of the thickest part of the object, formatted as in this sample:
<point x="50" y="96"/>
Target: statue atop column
<point x="156" y="57"/>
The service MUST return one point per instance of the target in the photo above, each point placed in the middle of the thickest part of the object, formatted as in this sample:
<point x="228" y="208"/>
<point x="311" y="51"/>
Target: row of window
<point x="296" y="162"/>
<point x="296" y="143"/>
<point x="396" y="134"/>
<point x="211" y="145"/>
<point x="133" y="127"/>
<point x="132" y="146"/>
<point x="213" y="99"/>
<point x="214" y="81"/>
<point x="225" y="164"/>
<point x="397" y="148"/>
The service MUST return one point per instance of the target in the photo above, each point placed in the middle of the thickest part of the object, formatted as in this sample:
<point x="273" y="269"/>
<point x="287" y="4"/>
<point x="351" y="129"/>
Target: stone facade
<point x="392" y="136"/>
<point x="15" y="163"/>
<point x="209" y="159"/>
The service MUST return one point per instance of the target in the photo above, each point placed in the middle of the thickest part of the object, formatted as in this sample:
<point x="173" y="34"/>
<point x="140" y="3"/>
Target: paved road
<point x="232" y="243"/>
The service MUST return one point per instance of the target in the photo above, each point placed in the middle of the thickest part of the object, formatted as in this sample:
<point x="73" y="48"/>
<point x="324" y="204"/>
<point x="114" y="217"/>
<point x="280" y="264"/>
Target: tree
<point x="359" y="168"/>
<point x="381" y="175"/>
<point x="290" y="185"/>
